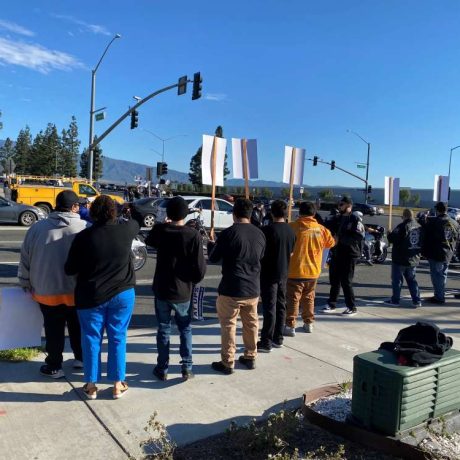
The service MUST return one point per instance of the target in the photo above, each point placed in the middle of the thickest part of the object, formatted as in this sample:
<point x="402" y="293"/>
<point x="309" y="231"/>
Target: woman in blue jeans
<point x="100" y="257"/>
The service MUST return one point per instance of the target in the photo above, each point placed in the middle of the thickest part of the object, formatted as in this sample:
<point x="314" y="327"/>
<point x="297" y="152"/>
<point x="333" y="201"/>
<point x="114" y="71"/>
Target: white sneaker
<point x="329" y="309"/>
<point x="349" y="312"/>
<point x="308" y="327"/>
<point x="289" y="331"/>
<point x="77" y="364"/>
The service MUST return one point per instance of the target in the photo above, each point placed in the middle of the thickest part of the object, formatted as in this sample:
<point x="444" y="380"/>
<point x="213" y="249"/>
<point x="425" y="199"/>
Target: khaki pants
<point x="227" y="311"/>
<point x="300" y="293"/>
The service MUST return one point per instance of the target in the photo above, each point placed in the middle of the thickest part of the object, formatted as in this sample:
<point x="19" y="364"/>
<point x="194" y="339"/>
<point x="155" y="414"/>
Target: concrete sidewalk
<point x="43" y="419"/>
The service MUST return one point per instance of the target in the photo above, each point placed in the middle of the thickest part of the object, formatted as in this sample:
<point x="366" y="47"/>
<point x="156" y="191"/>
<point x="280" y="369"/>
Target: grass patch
<point x="20" y="354"/>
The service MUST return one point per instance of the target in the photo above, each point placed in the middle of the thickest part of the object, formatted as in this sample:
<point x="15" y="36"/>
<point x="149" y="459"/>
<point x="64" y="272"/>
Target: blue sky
<point x="295" y="72"/>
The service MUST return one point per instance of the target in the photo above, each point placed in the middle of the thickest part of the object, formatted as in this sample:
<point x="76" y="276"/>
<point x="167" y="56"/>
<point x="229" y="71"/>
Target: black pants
<point x="274" y="309"/>
<point x="55" y="320"/>
<point x="341" y="273"/>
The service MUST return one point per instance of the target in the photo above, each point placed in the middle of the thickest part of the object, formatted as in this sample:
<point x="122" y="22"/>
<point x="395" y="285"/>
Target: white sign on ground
<point x="392" y="185"/>
<point x="299" y="155"/>
<point x="206" y="159"/>
<point x="238" y="162"/>
<point x="21" y="320"/>
<point x="441" y="188"/>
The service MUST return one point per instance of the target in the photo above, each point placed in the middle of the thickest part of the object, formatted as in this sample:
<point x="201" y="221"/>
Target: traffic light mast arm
<point x="339" y="168"/>
<point x="128" y="112"/>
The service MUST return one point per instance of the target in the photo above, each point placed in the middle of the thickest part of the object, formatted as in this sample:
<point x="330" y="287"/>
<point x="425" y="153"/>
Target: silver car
<point x="22" y="214"/>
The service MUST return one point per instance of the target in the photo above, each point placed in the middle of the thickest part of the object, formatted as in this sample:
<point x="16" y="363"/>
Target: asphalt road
<point x="372" y="283"/>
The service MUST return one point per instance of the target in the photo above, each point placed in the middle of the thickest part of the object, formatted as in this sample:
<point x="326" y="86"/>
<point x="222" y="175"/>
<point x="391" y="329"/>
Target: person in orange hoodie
<point x="305" y="267"/>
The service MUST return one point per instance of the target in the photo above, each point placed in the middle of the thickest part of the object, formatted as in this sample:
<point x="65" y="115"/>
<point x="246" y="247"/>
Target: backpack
<point x="419" y="345"/>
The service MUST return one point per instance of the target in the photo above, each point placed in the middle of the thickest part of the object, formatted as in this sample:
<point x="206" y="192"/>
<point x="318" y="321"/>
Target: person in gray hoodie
<point x="41" y="271"/>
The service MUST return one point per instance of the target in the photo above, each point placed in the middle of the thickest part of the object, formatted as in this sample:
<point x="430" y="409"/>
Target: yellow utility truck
<point x="42" y="191"/>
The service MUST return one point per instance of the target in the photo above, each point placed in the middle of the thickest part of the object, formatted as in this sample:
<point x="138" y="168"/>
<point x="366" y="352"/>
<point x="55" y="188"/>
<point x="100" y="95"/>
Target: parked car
<point x="22" y="214"/>
<point x="366" y="209"/>
<point x="454" y="213"/>
<point x="148" y="208"/>
<point x="380" y="211"/>
<point x="223" y="214"/>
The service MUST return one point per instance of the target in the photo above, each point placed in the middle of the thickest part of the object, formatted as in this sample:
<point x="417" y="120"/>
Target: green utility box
<point x="391" y="398"/>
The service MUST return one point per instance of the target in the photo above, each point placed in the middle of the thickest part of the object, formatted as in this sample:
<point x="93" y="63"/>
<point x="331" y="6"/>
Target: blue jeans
<point x="438" y="272"/>
<point x="113" y="316"/>
<point x="397" y="274"/>
<point x="183" y="317"/>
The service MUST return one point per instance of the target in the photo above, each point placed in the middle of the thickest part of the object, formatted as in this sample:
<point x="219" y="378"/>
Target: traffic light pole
<point x="127" y="114"/>
<point x="341" y="169"/>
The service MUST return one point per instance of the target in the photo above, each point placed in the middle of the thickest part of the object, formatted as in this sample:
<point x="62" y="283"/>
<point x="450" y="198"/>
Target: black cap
<point x="346" y="200"/>
<point x="66" y="199"/>
<point x="176" y="208"/>
<point x="440" y="207"/>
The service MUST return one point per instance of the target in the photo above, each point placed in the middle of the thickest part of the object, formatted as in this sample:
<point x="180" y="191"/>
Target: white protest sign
<point x="238" y="161"/>
<point x="299" y="165"/>
<point x="21" y="320"/>
<point x="391" y="191"/>
<point x="441" y="188"/>
<point x="206" y="159"/>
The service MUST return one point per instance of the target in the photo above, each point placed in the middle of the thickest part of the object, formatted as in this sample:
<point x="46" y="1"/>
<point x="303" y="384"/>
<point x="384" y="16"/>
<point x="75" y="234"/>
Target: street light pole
<point x="93" y="111"/>
<point x="163" y="141"/>
<point x="450" y="162"/>
<point x="367" y="162"/>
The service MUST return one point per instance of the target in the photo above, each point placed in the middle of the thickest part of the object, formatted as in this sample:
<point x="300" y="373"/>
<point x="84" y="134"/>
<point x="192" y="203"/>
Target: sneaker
<point x="417" y="304"/>
<point x="435" y="300"/>
<point x="120" y="391"/>
<point x="289" y="331"/>
<point x="248" y="362"/>
<point x="53" y="373"/>
<point x="349" y="312"/>
<point x="90" y="390"/>
<point x="307" y="327"/>
<point x="77" y="364"/>
<point x="390" y="302"/>
<point x="263" y="348"/>
<point x="329" y="309"/>
<point x="160" y="375"/>
<point x="277" y="344"/>
<point x="368" y="262"/>
<point x="219" y="366"/>
<point x="187" y="374"/>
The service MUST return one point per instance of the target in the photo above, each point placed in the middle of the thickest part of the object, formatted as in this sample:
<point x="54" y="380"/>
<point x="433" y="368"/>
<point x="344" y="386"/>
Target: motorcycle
<point x="375" y="240"/>
<point x="138" y="253"/>
<point x="198" y="224"/>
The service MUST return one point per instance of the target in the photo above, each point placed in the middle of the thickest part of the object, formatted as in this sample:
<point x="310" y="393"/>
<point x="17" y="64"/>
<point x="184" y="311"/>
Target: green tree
<point x="97" y="170"/>
<point x="46" y="149"/>
<point x="84" y="163"/>
<point x="1" y="124"/>
<point x="70" y="150"/>
<point x="326" y="195"/>
<point x="285" y="192"/>
<point x="7" y="152"/>
<point x="404" y="196"/>
<point x="23" y="152"/>
<point x="416" y="199"/>
<point x="195" y="163"/>
<point x="306" y="195"/>
<point x="266" y="192"/>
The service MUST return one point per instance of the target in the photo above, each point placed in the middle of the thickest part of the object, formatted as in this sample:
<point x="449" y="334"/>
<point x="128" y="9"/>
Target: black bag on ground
<point x="419" y="345"/>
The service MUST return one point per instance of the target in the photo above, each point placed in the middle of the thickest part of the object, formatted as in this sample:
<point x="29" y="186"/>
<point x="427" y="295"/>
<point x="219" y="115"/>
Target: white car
<point x="223" y="211"/>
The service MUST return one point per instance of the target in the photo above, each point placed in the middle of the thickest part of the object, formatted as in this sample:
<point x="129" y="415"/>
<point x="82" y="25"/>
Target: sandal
<point x="90" y="390"/>
<point x="118" y="392"/>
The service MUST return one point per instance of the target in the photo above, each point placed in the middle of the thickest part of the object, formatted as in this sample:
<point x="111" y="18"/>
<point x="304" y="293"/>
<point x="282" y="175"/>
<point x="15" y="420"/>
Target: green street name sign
<point x="100" y="116"/>
<point x="361" y="165"/>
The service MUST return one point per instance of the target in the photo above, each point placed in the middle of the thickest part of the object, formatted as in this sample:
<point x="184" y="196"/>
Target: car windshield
<point x="143" y="201"/>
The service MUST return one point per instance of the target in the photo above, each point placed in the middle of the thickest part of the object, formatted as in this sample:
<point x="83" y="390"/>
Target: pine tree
<point x="46" y="151"/>
<point x="7" y="150"/>
<point x="97" y="171"/>
<point x="23" y="151"/>
<point x="71" y="148"/>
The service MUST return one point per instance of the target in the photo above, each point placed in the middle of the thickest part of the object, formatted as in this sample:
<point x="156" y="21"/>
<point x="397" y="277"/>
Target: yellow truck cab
<point x="42" y="191"/>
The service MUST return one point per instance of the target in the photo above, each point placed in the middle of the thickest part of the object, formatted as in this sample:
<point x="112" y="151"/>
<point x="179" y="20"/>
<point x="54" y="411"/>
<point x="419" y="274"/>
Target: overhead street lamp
<point x="93" y="111"/>
<point x="164" y="140"/>
<point x="367" y="163"/>
<point x="450" y="162"/>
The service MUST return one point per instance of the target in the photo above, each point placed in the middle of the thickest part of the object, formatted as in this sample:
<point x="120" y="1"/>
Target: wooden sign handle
<point x="245" y="169"/>
<point x="291" y="184"/>
<point x="213" y="186"/>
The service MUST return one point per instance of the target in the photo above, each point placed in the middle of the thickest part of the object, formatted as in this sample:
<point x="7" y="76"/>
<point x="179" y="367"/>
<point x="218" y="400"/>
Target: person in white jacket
<point x="41" y="271"/>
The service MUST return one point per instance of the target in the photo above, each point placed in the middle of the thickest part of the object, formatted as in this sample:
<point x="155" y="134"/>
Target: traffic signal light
<point x="96" y="161"/>
<point x="164" y="169"/>
<point x="315" y="161"/>
<point x="332" y="165"/>
<point x="369" y="189"/>
<point x="159" y="168"/>
<point x="134" y="119"/>
<point x="197" y="81"/>
<point x="182" y="85"/>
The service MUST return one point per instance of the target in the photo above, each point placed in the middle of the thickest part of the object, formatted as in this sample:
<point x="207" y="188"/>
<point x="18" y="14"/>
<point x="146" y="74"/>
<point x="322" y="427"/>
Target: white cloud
<point x="217" y="97"/>
<point x="15" y="28"/>
<point x="94" y="28"/>
<point x="35" y="57"/>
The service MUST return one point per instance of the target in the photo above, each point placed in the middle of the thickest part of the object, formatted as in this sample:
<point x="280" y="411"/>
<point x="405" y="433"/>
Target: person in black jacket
<point x="349" y="232"/>
<point x="100" y="257"/>
<point x="258" y="214"/>
<point x="180" y="264"/>
<point x="406" y="241"/>
<point x="240" y="248"/>
<point x="440" y="236"/>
